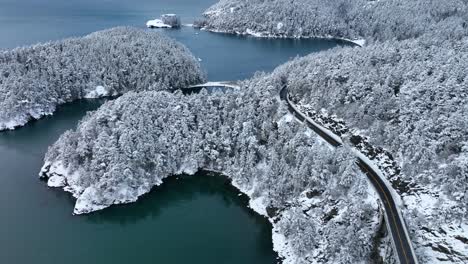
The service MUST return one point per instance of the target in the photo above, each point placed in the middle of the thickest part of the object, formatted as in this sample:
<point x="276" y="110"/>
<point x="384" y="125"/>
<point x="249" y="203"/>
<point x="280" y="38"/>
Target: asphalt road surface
<point x="401" y="241"/>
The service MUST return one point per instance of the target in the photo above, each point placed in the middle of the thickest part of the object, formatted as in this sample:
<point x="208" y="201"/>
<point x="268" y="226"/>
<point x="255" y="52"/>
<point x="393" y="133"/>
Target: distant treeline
<point x="369" y="19"/>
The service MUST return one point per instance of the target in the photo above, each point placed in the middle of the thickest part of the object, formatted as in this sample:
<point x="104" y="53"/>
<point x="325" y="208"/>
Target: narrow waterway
<point x="198" y="219"/>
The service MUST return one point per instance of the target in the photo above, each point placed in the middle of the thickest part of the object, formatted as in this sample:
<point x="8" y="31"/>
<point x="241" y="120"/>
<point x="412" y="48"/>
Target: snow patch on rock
<point x="84" y="203"/>
<point x="190" y="168"/>
<point x="98" y="92"/>
<point x="253" y="33"/>
<point x="157" y="23"/>
<point x="11" y="124"/>
<point x="436" y="243"/>
<point x="23" y="118"/>
<point x="279" y="26"/>
<point x="56" y="181"/>
<point x="280" y="243"/>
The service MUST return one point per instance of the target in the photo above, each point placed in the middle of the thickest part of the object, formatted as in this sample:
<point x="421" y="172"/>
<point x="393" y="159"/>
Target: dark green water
<point x="192" y="220"/>
<point x="197" y="219"/>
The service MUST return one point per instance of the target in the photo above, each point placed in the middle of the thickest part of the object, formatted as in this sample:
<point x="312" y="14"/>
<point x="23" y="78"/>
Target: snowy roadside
<point x="433" y="243"/>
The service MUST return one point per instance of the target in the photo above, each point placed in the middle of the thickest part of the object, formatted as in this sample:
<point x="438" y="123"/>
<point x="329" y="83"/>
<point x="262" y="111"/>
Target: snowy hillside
<point x="293" y="177"/>
<point x="405" y="105"/>
<point x="372" y="20"/>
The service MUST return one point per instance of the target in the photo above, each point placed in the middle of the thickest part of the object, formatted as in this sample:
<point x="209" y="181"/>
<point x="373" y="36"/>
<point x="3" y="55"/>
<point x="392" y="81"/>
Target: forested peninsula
<point x="405" y="106"/>
<point x="401" y="100"/>
<point x="314" y="194"/>
<point x="35" y="80"/>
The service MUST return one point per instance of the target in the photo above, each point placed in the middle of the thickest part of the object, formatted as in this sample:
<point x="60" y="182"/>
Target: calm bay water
<point x="187" y="220"/>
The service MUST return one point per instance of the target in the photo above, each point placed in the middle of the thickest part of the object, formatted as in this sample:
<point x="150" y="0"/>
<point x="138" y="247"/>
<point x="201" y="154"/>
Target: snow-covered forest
<point x="35" y="80"/>
<point x="373" y="20"/>
<point x="409" y="98"/>
<point x="406" y="92"/>
<point x="317" y="196"/>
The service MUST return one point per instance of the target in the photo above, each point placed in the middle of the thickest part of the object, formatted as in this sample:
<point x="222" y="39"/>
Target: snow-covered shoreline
<point x="166" y="21"/>
<point x="57" y="176"/>
<point x="157" y="23"/>
<point x="248" y="32"/>
<point x="12" y="124"/>
<point x="30" y="95"/>
<point x="23" y="119"/>
<point x="108" y="174"/>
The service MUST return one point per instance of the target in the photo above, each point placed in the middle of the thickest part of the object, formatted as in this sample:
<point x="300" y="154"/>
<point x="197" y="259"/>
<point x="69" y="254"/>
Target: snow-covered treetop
<point x="372" y="20"/>
<point x="35" y="79"/>
<point x="142" y="138"/>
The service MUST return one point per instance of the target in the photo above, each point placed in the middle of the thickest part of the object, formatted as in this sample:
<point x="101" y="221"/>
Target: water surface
<point x="224" y="56"/>
<point x="190" y="220"/>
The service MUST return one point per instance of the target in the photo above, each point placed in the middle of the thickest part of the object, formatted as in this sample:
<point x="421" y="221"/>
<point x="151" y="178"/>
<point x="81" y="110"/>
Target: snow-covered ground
<point x="23" y="118"/>
<point x="11" y="124"/>
<point x="433" y="242"/>
<point x="267" y="34"/>
<point x="436" y="243"/>
<point x="281" y="244"/>
<point x="166" y="21"/>
<point x="99" y="92"/>
<point x="58" y="176"/>
<point x="158" y="54"/>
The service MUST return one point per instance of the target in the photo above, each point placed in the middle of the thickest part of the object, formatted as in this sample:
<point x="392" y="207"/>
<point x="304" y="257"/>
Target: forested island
<point x="372" y="20"/>
<point x="36" y="79"/>
<point x="401" y="100"/>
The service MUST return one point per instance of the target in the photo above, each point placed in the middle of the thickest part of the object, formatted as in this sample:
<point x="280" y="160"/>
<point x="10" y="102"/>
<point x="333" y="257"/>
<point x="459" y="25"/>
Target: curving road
<point x="393" y="218"/>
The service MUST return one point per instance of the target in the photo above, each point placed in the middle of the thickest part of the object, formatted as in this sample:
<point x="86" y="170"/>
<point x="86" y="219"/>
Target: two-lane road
<point x="393" y="218"/>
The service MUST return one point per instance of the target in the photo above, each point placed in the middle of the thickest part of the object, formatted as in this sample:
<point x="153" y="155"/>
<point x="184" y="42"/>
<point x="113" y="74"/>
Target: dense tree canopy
<point x="406" y="91"/>
<point x="34" y="80"/>
<point x="409" y="97"/>
<point x="141" y="138"/>
<point x="369" y="19"/>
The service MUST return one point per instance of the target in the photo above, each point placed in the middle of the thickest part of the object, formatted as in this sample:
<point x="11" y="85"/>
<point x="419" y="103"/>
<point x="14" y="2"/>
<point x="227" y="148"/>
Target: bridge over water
<point x="212" y="87"/>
